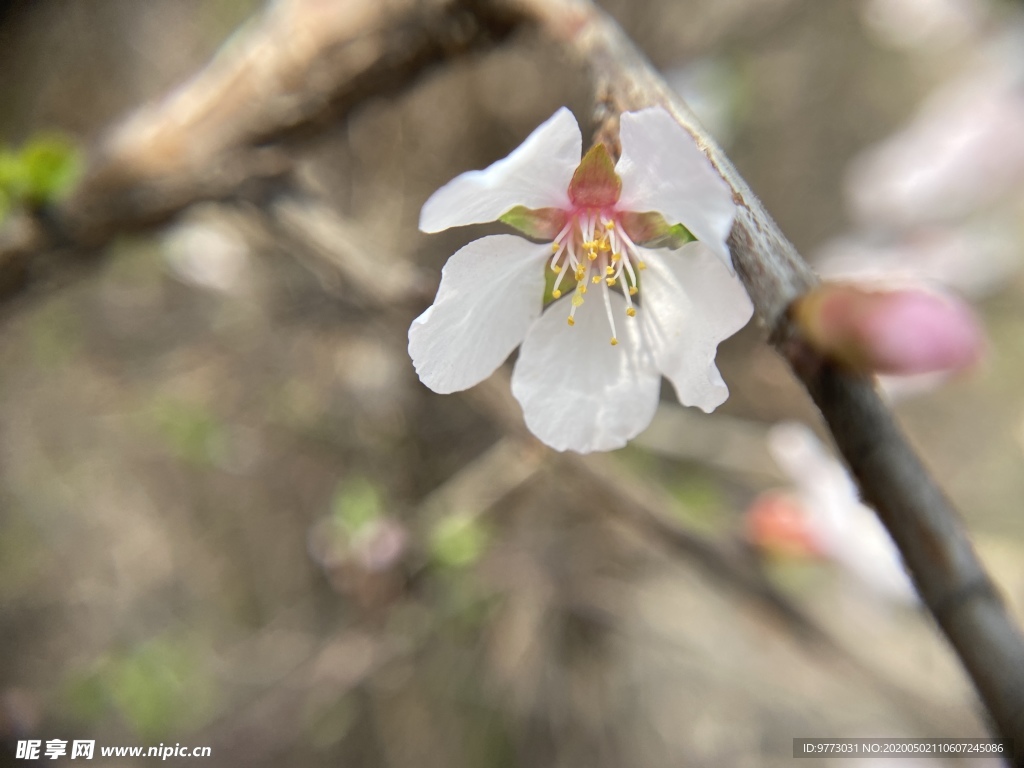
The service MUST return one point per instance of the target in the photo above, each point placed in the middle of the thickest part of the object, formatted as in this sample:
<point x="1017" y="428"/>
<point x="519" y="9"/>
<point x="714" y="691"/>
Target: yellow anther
<point x="632" y="290"/>
<point x="609" y="225"/>
<point x="609" y="270"/>
<point x="592" y="255"/>
<point x="641" y="265"/>
<point x="614" y="341"/>
<point x="595" y="279"/>
<point x="555" y="247"/>
<point x="577" y="300"/>
<point x="556" y="294"/>
<point x="616" y="256"/>
<point x="583" y="287"/>
<point x="580" y="272"/>
<point x="610" y="281"/>
<point x="630" y="312"/>
<point x="571" y="321"/>
<point x="556" y="269"/>
<point x="589" y="245"/>
<point x="605" y="245"/>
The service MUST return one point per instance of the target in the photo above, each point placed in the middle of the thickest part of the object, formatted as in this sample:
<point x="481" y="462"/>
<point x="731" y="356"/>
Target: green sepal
<point x="651" y="230"/>
<point x="677" y="237"/>
<point x="538" y="223"/>
<point x="595" y="184"/>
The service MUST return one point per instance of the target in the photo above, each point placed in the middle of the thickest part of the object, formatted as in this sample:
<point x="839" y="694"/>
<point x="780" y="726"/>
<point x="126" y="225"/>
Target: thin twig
<point x="645" y="511"/>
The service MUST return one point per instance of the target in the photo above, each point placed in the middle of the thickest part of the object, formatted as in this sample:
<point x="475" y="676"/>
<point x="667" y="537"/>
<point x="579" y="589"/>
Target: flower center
<point x="595" y="248"/>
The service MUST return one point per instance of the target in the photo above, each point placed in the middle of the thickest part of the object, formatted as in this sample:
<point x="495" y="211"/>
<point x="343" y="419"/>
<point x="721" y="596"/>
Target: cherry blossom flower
<point x="633" y="261"/>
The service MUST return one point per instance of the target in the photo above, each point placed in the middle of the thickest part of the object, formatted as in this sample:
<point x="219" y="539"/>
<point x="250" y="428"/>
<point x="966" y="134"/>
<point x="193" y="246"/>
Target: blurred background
<point x="230" y="515"/>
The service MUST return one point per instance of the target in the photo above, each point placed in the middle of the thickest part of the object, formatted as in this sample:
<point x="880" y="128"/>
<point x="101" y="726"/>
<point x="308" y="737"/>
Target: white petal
<point x="578" y="392"/>
<point x="690" y="303"/>
<point x="663" y="170"/>
<point x="536" y="174"/>
<point x="491" y="291"/>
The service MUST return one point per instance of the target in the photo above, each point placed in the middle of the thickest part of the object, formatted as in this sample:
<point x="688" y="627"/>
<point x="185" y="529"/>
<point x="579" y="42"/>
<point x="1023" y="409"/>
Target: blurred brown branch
<point x="307" y="63"/>
<point x="298" y="68"/>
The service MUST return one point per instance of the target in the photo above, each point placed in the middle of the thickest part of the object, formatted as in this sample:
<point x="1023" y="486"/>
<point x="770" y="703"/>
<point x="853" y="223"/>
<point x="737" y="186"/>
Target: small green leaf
<point x="356" y="504"/>
<point x="539" y="223"/>
<point x="157" y="687"/>
<point x="86" y="697"/>
<point x="700" y="501"/>
<point x="191" y="431"/>
<point x="50" y="167"/>
<point x="651" y="230"/>
<point x="595" y="183"/>
<point x="10" y="172"/>
<point x="457" y="541"/>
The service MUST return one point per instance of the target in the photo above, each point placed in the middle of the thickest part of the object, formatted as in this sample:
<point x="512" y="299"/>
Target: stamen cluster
<point x="595" y="250"/>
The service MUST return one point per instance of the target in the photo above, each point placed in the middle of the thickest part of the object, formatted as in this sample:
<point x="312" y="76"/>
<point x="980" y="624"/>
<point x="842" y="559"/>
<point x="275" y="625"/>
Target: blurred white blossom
<point x="908" y="24"/>
<point x="938" y="204"/>
<point x="974" y="259"/>
<point x="709" y="86"/>
<point x="207" y="254"/>
<point x="964" y="151"/>
<point x="940" y="200"/>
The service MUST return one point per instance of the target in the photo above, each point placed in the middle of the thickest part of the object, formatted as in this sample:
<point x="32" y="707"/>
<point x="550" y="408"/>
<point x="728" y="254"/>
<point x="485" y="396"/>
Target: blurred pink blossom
<point x="821" y="516"/>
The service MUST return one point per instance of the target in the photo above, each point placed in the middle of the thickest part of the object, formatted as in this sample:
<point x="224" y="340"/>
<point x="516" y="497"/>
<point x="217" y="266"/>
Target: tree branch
<point x="300" y="67"/>
<point x="950" y="578"/>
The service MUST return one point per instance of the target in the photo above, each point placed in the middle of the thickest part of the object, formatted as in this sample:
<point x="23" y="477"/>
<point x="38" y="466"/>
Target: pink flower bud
<point x="777" y="524"/>
<point x="903" y="331"/>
